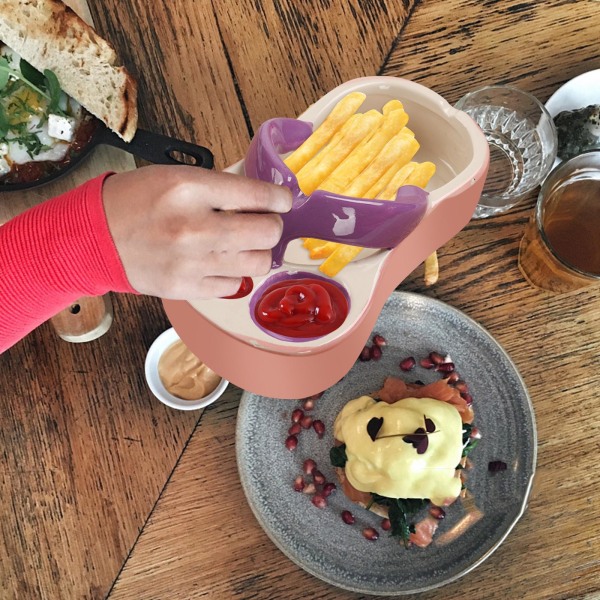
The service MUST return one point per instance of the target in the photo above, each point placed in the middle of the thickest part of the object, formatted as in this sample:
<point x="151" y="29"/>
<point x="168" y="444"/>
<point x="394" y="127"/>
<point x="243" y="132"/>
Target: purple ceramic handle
<point x="325" y="215"/>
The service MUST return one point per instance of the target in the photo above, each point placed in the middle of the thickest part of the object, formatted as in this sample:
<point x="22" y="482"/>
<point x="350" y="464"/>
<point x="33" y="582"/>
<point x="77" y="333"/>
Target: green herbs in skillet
<point x="38" y="122"/>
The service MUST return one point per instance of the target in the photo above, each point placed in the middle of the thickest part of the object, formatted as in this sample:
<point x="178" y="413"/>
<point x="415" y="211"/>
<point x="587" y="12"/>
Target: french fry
<point x="398" y="179"/>
<point x="342" y="111"/>
<point x="365" y="152"/>
<point x="312" y="175"/>
<point x="421" y="175"/>
<point x="338" y="259"/>
<point x="392" y="105"/>
<point x="432" y="269"/>
<point x="377" y="189"/>
<point x="325" y="250"/>
<point x="400" y="148"/>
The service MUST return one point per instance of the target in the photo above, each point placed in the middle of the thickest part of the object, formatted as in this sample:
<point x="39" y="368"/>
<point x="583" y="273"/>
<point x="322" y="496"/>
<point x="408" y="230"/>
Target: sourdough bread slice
<point x="49" y="35"/>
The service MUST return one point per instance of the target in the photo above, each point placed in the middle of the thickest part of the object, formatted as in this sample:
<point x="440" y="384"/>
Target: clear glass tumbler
<point x="522" y="140"/>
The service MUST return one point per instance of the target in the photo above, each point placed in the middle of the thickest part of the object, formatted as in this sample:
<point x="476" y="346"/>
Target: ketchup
<point x="302" y="308"/>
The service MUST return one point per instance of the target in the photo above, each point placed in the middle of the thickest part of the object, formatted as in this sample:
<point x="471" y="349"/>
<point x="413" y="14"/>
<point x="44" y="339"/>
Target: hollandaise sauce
<point x="388" y="463"/>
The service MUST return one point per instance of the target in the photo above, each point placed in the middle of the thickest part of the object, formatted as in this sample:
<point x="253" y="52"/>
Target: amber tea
<point x="571" y="223"/>
<point x="560" y="250"/>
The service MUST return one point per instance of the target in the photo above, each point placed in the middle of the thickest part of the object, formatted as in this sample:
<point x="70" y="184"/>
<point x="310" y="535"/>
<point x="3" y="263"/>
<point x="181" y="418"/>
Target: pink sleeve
<point x="53" y="254"/>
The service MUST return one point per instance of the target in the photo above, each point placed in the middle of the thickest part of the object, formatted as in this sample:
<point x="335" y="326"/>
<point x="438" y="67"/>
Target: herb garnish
<point x="419" y="438"/>
<point x="373" y="427"/>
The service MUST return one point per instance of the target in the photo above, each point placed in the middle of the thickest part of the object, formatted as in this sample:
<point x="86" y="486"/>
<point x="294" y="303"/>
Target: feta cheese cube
<point x="61" y="128"/>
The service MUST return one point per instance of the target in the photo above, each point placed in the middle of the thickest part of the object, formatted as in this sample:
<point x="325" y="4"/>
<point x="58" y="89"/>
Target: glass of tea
<point x="560" y="250"/>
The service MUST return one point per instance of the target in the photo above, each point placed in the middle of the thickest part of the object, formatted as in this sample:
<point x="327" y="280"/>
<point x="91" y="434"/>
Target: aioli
<point x="184" y="375"/>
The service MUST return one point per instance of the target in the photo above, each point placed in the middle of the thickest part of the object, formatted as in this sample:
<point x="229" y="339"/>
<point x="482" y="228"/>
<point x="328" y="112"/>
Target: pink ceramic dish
<point x="222" y="332"/>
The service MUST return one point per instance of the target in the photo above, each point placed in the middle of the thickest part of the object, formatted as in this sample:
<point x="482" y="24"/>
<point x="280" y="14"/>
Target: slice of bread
<point x="49" y="35"/>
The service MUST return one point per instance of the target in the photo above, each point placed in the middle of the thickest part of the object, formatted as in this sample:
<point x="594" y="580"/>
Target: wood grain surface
<point x="106" y="493"/>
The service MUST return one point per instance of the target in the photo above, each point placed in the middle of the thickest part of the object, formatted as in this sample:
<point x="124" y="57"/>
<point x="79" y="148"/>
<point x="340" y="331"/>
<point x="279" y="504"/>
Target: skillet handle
<point x="161" y="149"/>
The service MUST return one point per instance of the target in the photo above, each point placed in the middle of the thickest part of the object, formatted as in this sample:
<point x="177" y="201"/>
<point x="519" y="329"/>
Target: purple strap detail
<point x="325" y="215"/>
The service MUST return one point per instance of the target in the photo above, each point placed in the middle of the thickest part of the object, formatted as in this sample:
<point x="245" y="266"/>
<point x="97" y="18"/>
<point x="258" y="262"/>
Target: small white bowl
<point x="160" y="344"/>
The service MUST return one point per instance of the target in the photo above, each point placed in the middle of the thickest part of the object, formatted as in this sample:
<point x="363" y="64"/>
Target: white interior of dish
<point x="446" y="138"/>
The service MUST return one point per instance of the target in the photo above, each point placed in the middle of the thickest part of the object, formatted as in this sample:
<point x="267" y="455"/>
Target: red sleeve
<point x="53" y="254"/>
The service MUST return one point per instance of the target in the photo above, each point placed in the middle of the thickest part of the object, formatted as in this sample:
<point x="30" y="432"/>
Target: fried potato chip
<point x="312" y="175"/>
<point x="342" y="111"/>
<point x="400" y="148"/>
<point x="365" y="152"/>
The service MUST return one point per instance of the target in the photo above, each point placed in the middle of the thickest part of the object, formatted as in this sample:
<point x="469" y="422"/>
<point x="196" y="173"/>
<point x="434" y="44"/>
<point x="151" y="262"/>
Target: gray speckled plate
<point x="318" y="540"/>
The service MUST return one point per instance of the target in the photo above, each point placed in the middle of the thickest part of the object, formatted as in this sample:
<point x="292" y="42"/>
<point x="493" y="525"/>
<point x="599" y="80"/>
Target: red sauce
<point x="302" y="308"/>
<point x="244" y="289"/>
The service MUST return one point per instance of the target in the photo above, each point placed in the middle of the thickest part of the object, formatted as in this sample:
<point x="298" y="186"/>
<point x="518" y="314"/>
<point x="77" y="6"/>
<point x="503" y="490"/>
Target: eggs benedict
<point x="404" y="450"/>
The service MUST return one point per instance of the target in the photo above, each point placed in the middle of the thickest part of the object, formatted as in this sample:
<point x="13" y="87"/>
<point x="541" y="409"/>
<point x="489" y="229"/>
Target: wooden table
<point x="105" y="493"/>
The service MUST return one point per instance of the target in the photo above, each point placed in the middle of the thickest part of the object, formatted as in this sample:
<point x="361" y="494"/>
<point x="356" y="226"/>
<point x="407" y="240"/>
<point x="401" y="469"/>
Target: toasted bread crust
<point x="49" y="35"/>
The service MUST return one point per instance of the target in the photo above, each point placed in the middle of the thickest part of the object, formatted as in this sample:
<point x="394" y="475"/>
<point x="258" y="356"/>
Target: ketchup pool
<point x="301" y="307"/>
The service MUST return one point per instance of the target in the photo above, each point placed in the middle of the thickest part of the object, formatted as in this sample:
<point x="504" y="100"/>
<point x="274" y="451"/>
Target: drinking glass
<point x="522" y="140"/>
<point x="560" y="250"/>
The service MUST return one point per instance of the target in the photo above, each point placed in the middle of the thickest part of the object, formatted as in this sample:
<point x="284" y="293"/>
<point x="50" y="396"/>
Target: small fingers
<point x="246" y="231"/>
<point x="242" y="194"/>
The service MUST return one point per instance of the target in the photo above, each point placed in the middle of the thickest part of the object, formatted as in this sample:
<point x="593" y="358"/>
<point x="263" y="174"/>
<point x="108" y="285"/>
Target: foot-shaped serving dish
<point x="397" y="237"/>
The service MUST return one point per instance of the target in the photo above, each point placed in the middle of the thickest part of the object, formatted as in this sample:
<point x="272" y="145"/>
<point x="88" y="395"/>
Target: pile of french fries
<point x="363" y="155"/>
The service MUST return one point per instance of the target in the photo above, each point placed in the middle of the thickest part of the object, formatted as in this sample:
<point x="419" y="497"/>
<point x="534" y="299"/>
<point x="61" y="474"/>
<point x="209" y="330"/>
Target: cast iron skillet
<point x="153" y="147"/>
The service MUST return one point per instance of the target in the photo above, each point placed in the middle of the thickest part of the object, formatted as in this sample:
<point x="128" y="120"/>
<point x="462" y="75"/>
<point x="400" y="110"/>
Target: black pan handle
<point x="160" y="149"/>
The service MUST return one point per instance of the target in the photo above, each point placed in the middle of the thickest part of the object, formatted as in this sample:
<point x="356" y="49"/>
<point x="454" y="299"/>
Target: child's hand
<point x="184" y="232"/>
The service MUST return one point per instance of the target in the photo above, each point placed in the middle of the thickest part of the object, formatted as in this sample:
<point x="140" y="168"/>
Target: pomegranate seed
<point x="437" y="512"/>
<point x="348" y="517"/>
<point x="475" y="434"/>
<point x="306" y="422"/>
<point x="386" y="525"/>
<point x="446" y="367"/>
<point x="379" y="340"/>
<point x="318" y="477"/>
<point x="467" y="397"/>
<point x="408" y="364"/>
<point x="297" y="414"/>
<point x="319" y="501"/>
<point x="319" y="427"/>
<point x="328" y="489"/>
<point x="370" y="534"/>
<point x="295" y="429"/>
<point x="365" y="354"/>
<point x="461" y="386"/>
<point x="309" y="466"/>
<point x="427" y="363"/>
<point x="299" y="483"/>
<point x="453" y="377"/>
<point x="291" y="443"/>
<point x="308" y="404"/>
<point x="436" y="358"/>
<point x="495" y="466"/>
<point x="309" y="488"/>
<point x="376" y="352"/>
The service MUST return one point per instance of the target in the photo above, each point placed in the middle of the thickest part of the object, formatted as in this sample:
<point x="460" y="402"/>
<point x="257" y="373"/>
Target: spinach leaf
<point x="32" y="74"/>
<point x="53" y="88"/>
<point x="399" y="512"/>
<point x="4" y="72"/>
<point x="4" y="124"/>
<point x="337" y="456"/>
